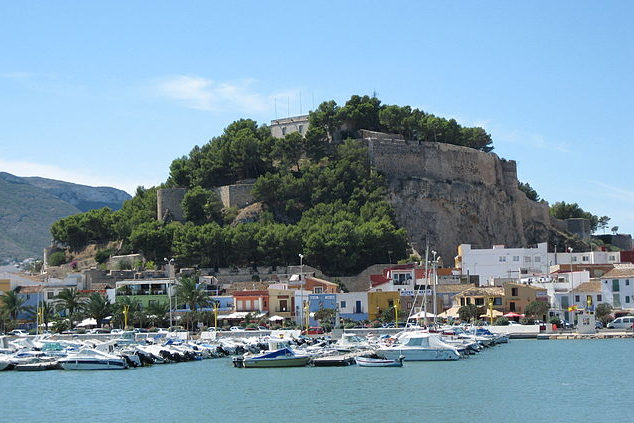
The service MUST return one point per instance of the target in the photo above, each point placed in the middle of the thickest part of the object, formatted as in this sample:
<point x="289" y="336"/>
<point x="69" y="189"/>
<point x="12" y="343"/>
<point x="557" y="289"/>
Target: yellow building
<point x="480" y="296"/>
<point x="281" y="302"/>
<point x="518" y="295"/>
<point x="378" y="302"/>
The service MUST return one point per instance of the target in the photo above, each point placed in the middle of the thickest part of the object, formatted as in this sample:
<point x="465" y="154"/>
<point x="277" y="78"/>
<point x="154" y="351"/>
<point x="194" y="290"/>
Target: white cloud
<point x="200" y="93"/>
<point x="23" y="168"/>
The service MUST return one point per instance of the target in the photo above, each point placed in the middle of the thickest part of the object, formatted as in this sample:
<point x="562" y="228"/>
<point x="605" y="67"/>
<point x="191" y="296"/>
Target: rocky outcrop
<point x="449" y="195"/>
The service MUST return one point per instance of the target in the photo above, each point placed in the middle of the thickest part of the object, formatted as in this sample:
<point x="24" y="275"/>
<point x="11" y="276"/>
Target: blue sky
<point x="108" y="93"/>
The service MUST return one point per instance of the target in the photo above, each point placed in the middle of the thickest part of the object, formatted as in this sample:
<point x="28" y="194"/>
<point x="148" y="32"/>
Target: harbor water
<point x="522" y="381"/>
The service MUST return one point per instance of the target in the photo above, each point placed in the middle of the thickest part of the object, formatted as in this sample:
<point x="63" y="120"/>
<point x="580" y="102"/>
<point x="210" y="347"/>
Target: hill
<point x="28" y="207"/>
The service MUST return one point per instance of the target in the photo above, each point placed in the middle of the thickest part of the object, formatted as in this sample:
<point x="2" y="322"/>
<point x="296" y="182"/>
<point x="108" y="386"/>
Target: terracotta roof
<point x="321" y="280"/>
<point x="592" y="286"/>
<point x="453" y="287"/>
<point x="377" y="280"/>
<point x="620" y="271"/>
<point x="482" y="291"/>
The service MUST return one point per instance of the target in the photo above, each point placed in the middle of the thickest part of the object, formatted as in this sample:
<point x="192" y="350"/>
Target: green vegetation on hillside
<point x="563" y="210"/>
<point x="321" y="199"/>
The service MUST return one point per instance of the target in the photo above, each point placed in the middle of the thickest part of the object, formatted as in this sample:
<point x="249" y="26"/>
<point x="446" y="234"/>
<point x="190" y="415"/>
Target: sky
<point x="109" y="93"/>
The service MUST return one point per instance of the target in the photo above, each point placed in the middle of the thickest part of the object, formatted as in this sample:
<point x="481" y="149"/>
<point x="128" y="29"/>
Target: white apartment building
<point x="617" y="287"/>
<point x="502" y="262"/>
<point x="589" y="257"/>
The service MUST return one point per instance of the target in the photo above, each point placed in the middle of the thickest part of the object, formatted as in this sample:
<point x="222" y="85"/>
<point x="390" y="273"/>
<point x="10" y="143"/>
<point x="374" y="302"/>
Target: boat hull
<point x="275" y="362"/>
<point x="419" y="354"/>
<point x="106" y="364"/>
<point x="378" y="362"/>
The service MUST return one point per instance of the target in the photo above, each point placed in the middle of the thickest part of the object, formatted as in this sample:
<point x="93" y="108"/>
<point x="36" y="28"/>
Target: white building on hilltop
<point x="501" y="262"/>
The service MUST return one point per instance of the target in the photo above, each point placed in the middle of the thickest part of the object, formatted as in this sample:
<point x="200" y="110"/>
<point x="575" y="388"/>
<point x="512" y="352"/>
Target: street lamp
<point x="301" y="284"/>
<point x="170" y="276"/>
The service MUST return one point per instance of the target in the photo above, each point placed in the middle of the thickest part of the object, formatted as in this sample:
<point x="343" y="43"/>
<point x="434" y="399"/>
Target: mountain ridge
<point x="29" y="205"/>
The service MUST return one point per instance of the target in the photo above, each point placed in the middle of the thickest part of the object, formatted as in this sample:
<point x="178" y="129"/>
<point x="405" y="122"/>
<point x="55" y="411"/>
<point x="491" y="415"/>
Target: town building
<point x="378" y="302"/>
<point x="285" y="126"/>
<point x="501" y="262"/>
<point x="353" y="305"/>
<point x="146" y="291"/>
<point x="320" y="301"/>
<point x="251" y="301"/>
<point x="617" y="287"/>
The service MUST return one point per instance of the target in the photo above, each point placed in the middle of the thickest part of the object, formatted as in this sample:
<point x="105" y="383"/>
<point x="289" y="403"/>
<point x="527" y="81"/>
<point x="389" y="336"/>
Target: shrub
<point x="349" y="325"/>
<point x="102" y="256"/>
<point x="501" y="321"/>
<point x="554" y="321"/>
<point x="526" y="321"/>
<point x="57" y="258"/>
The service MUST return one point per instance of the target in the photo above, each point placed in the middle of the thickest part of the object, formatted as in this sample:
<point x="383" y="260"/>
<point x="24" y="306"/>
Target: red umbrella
<point x="512" y="314"/>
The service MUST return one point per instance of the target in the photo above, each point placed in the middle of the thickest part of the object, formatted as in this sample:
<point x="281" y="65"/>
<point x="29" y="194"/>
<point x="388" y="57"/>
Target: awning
<point x="422" y="315"/>
<point x="240" y="315"/>
<point x="87" y="322"/>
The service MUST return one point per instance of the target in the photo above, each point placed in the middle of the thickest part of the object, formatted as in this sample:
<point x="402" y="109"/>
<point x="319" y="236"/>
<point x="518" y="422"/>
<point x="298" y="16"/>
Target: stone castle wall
<point x="238" y="195"/>
<point x="450" y="195"/>
<point x="168" y="201"/>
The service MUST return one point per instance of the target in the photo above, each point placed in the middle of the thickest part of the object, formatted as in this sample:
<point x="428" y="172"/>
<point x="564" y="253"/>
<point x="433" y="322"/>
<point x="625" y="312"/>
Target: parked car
<point x="625" y="322"/>
<point x="18" y="332"/>
<point x="236" y="329"/>
<point x="262" y="328"/>
<point x="514" y="323"/>
<point x="598" y="324"/>
<point x="116" y="331"/>
<point x="313" y="331"/>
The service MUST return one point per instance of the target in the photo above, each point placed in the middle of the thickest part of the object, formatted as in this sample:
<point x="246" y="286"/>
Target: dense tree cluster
<point x="413" y="124"/>
<point x="320" y="198"/>
<point x="563" y="210"/>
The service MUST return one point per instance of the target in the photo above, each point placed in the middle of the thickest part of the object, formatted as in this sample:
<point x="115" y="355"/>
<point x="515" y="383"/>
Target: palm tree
<point x="71" y="301"/>
<point x="157" y="312"/>
<point x="13" y="304"/>
<point x="191" y="293"/>
<point x="98" y="307"/>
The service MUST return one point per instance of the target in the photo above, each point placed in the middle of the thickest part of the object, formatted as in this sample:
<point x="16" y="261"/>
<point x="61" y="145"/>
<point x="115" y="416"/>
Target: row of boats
<point x="386" y="351"/>
<point x="277" y="350"/>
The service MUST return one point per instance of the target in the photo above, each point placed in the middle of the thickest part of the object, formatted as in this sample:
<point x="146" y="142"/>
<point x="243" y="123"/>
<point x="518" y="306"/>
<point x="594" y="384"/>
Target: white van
<point x="625" y="322"/>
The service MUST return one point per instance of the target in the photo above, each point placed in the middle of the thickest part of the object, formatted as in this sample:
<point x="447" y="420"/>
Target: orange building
<point x="251" y="300"/>
<point x="315" y="285"/>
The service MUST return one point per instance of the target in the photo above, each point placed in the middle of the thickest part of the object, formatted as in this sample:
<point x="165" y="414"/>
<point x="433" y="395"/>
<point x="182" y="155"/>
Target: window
<point x="479" y="301"/>
<point x="574" y="259"/>
<point x="516" y="258"/>
<point x="599" y="298"/>
<point x="527" y="259"/>
<point x="343" y="304"/>
<point x="462" y="301"/>
<point x="616" y="300"/>
<point x="576" y="299"/>
<point x="627" y="299"/>
<point x="627" y="282"/>
<point x="615" y="285"/>
<point x="497" y="301"/>
<point x="514" y="292"/>
<point x="512" y="306"/>
<point x="318" y="289"/>
<point x="502" y="259"/>
<point x="585" y="258"/>
<point x="468" y="301"/>
<point x="611" y="258"/>
<point x="300" y="129"/>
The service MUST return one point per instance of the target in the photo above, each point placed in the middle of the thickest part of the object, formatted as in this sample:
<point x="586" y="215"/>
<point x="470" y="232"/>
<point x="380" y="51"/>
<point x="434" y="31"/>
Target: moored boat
<point x="284" y="357"/>
<point x="87" y="359"/>
<point x="374" y="360"/>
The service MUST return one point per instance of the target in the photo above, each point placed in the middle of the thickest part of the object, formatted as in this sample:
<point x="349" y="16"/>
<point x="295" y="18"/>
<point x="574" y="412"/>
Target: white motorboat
<point x="374" y="360"/>
<point x="352" y="342"/>
<point x="89" y="359"/>
<point x="419" y="346"/>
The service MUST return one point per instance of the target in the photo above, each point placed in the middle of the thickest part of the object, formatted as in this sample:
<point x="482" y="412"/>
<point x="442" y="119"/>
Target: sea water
<point x="523" y="381"/>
